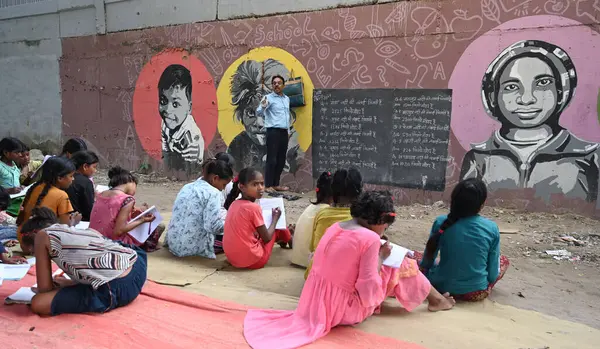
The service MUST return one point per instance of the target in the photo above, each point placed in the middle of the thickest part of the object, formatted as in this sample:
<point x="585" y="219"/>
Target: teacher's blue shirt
<point x="277" y="112"/>
<point x="469" y="256"/>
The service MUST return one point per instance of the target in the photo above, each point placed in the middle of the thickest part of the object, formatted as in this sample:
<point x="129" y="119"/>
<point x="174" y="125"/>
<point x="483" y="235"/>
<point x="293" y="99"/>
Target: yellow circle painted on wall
<point x="247" y="80"/>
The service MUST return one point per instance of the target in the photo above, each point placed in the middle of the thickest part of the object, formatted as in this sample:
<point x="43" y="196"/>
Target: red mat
<point x="161" y="317"/>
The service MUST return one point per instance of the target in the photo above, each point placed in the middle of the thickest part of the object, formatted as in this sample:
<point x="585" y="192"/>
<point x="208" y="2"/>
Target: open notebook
<point x="25" y="294"/>
<point x="267" y="206"/>
<point x="396" y="256"/>
<point x="143" y="231"/>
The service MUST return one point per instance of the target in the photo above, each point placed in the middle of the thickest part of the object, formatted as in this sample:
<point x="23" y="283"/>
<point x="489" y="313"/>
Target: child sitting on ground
<point x="8" y="223"/>
<point x="81" y="192"/>
<point x="73" y="146"/>
<point x="247" y="242"/>
<point x="104" y="274"/>
<point x="196" y="226"/>
<point x="470" y="263"/>
<point x="304" y="227"/>
<point x="29" y="169"/>
<point x="344" y="286"/>
<point x="49" y="191"/>
<point x="114" y="209"/>
<point x="8" y="231"/>
<point x="10" y="155"/>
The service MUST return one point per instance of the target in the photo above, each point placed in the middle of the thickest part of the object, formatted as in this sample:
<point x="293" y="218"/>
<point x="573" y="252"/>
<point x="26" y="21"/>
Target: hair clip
<point x="235" y="179"/>
<point x="441" y="231"/>
<point x="391" y="214"/>
<point x="329" y="173"/>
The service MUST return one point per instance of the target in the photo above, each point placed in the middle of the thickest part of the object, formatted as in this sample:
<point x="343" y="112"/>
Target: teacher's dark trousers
<point x="277" y="144"/>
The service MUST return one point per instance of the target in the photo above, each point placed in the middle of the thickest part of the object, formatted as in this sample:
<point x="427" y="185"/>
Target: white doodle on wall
<point x="417" y="80"/>
<point x="439" y="72"/>
<point x="556" y="7"/>
<point x="232" y="51"/>
<point x="398" y="15"/>
<point x="512" y="5"/>
<point x="491" y="10"/>
<point x="463" y="20"/>
<point x="210" y="58"/>
<point x="397" y="66"/>
<point x="381" y="70"/>
<point x="350" y="24"/>
<point x="581" y="5"/>
<point x="429" y="40"/>
<point x="332" y="34"/>
<point x="133" y="65"/>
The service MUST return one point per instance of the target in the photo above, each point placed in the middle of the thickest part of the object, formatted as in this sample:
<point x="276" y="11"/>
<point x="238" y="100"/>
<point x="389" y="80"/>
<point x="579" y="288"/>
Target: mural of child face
<point x="174" y="106"/>
<point x="528" y="96"/>
<point x="255" y="124"/>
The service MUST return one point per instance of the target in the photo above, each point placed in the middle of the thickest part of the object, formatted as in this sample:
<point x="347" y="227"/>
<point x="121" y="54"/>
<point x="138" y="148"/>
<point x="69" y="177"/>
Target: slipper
<point x="291" y="197"/>
<point x="276" y="194"/>
<point x="278" y="188"/>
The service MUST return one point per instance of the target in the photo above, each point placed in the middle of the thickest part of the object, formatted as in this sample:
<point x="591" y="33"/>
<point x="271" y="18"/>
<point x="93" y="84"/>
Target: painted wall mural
<point x="173" y="103"/>
<point x="524" y="74"/>
<point x="242" y="87"/>
<point x="526" y="88"/>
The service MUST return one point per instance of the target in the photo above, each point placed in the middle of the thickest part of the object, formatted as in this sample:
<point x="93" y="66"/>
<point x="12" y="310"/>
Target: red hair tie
<point x="235" y="179"/>
<point x="391" y="214"/>
<point x="441" y="231"/>
<point x="316" y="190"/>
<point x="329" y="173"/>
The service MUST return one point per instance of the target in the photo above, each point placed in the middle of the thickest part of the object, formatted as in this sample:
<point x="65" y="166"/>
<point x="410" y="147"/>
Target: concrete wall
<point x="30" y="33"/>
<point x="113" y="80"/>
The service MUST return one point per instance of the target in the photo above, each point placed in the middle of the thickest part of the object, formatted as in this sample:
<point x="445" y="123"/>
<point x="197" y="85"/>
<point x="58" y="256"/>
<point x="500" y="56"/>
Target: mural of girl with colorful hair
<point x="526" y="88"/>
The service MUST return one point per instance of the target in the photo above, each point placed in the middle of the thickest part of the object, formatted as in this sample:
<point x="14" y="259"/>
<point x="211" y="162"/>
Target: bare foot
<point x="445" y="303"/>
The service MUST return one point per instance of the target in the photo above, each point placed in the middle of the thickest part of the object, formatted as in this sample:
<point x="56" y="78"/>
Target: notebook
<point x="21" y="193"/>
<point x="267" y="206"/>
<point x="101" y="188"/>
<point x="143" y="232"/>
<point x="25" y="294"/>
<point x="83" y="225"/>
<point x="14" y="272"/>
<point x="396" y="256"/>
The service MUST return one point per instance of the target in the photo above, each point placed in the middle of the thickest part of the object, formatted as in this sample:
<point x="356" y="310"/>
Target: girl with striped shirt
<point x="104" y="274"/>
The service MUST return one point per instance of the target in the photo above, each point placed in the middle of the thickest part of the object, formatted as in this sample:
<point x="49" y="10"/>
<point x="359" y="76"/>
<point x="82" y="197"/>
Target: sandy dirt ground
<point x="542" y="302"/>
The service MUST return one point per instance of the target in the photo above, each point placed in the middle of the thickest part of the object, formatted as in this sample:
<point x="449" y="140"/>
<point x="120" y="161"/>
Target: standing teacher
<point x="276" y="109"/>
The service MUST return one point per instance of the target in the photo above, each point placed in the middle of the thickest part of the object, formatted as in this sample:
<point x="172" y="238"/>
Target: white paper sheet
<point x="83" y="225"/>
<point x="267" y="206"/>
<point x="101" y="188"/>
<point x="142" y="232"/>
<point x="22" y="193"/>
<point x="31" y="261"/>
<point x="396" y="256"/>
<point x="15" y="272"/>
<point x="23" y="295"/>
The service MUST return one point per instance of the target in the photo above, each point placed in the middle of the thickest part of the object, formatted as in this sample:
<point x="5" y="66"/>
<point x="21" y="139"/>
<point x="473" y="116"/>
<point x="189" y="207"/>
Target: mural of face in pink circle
<point x="532" y="129"/>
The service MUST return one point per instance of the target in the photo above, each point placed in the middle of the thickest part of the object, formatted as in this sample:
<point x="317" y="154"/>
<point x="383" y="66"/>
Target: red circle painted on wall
<point x="174" y="106"/>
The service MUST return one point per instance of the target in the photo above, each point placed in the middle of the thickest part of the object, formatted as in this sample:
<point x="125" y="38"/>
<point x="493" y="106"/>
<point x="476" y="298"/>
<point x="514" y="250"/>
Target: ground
<point x="567" y="288"/>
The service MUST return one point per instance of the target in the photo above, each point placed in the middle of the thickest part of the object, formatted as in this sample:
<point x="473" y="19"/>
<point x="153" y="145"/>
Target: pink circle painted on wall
<point x="174" y="92"/>
<point x="470" y="122"/>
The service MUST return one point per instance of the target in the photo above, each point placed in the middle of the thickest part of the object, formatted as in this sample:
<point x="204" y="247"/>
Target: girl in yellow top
<point x="49" y="191"/>
<point x="346" y="187"/>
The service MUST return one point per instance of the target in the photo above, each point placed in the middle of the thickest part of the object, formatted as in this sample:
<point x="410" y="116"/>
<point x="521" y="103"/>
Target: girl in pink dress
<point x="344" y="286"/>
<point x="114" y="208"/>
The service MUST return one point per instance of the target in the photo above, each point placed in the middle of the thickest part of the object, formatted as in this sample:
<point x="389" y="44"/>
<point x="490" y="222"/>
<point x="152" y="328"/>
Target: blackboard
<point x="396" y="137"/>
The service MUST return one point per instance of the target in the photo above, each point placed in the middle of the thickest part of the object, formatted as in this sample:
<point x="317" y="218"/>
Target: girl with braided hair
<point x="470" y="263"/>
<point x="303" y="230"/>
<point x="347" y="281"/>
<point x="49" y="191"/>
